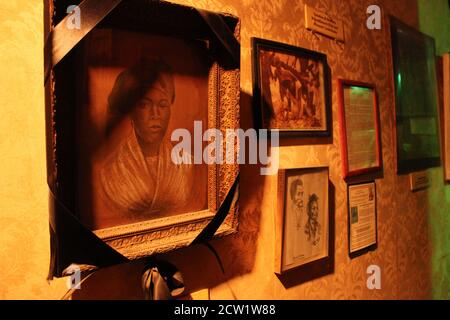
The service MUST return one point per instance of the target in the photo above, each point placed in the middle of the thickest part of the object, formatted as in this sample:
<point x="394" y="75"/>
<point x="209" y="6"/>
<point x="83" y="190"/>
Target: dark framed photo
<point x="360" y="128"/>
<point x="291" y="89"/>
<point x="114" y="106"/>
<point x="303" y="218"/>
<point x="362" y="218"/>
<point x="416" y="98"/>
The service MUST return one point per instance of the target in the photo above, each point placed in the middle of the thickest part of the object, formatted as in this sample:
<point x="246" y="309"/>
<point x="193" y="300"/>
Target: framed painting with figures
<point x="291" y="89"/>
<point x="113" y="159"/>
<point x="303" y="218"/>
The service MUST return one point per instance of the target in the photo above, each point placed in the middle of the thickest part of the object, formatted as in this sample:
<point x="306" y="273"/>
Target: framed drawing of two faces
<point x="291" y="89"/>
<point x="302" y="219"/>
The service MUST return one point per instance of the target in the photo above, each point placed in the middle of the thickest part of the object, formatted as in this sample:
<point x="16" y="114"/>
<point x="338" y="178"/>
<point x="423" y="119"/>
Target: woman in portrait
<point x="139" y="178"/>
<point x="312" y="227"/>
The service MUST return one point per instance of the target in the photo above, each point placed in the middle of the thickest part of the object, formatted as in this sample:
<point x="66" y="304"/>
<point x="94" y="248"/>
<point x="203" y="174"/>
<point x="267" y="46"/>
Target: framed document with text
<point x="360" y="128"/>
<point x="362" y="217"/>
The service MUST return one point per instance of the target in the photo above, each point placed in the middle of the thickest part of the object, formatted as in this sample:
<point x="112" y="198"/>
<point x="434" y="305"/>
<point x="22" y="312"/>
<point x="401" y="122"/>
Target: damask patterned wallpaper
<point x="24" y="235"/>
<point x="403" y="253"/>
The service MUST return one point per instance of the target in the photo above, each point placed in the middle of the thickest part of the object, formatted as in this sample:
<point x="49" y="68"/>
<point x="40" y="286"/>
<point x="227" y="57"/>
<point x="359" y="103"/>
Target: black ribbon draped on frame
<point x="161" y="279"/>
<point x="71" y="242"/>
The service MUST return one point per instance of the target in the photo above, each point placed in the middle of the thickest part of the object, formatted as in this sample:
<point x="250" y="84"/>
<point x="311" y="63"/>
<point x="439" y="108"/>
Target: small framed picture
<point x="291" y="89"/>
<point x="362" y="218"/>
<point x="360" y="128"/>
<point x="302" y="221"/>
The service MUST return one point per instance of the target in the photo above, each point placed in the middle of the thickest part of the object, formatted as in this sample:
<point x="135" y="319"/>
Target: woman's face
<point x="314" y="210"/>
<point x="151" y="116"/>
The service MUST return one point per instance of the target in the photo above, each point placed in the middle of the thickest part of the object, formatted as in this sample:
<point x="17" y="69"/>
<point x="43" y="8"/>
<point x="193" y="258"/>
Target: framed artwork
<point x="291" y="89"/>
<point x="446" y="115"/>
<point x="416" y="98"/>
<point x="112" y="154"/>
<point x="362" y="217"/>
<point x="360" y="128"/>
<point x="302" y="221"/>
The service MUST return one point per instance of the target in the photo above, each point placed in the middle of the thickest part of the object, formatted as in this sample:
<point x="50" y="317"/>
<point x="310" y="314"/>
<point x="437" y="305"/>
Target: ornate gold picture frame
<point x="101" y="170"/>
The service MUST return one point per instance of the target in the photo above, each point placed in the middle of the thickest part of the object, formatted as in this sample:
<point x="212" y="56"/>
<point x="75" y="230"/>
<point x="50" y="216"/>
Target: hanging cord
<point x="216" y="255"/>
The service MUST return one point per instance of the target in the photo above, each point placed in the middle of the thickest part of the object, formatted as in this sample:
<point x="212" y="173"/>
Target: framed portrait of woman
<point x="302" y="220"/>
<point x="123" y="100"/>
<point x="133" y="104"/>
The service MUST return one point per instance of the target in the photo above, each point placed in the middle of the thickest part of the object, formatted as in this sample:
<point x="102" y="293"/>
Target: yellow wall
<point x="403" y="252"/>
<point x="24" y="235"/>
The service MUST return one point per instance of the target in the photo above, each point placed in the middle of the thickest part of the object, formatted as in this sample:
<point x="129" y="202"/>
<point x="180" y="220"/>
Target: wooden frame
<point x="353" y="211"/>
<point x="416" y="107"/>
<point x="375" y="159"/>
<point x="446" y="115"/>
<point x="298" y="243"/>
<point x="153" y="235"/>
<point x="291" y="89"/>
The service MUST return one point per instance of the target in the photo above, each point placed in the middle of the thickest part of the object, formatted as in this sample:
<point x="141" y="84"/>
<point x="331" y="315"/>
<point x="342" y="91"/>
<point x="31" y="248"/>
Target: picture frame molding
<point x="446" y="115"/>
